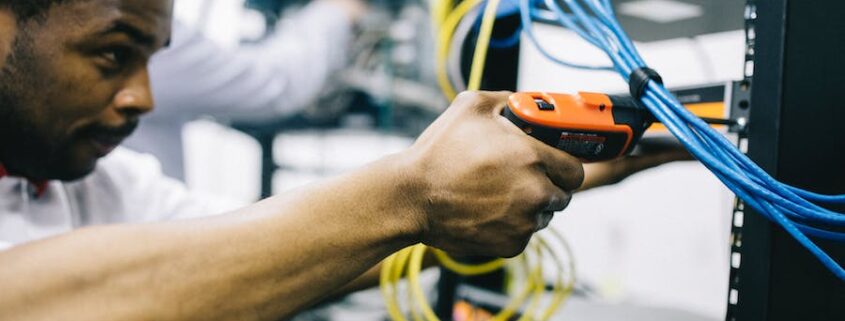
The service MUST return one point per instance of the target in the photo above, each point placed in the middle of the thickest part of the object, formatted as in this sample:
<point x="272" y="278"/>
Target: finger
<point x="554" y="198"/>
<point x="664" y="148"/>
<point x="677" y="155"/>
<point x="634" y="164"/>
<point x="564" y="170"/>
<point x="544" y="219"/>
<point x="599" y="174"/>
<point x="558" y="200"/>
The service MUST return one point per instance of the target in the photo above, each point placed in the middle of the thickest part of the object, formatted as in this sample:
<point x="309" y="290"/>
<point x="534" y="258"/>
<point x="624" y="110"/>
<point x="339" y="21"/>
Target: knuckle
<point x="532" y="157"/>
<point x="469" y="98"/>
<point x="539" y="195"/>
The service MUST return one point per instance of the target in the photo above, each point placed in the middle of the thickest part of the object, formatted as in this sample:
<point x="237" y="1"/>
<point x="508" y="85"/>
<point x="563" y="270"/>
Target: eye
<point x="115" y="58"/>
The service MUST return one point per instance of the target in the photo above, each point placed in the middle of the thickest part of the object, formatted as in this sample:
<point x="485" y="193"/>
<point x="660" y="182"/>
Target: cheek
<point x="76" y="93"/>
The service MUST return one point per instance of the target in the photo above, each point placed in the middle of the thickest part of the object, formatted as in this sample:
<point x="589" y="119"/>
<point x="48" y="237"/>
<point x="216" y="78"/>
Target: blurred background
<point x="658" y="240"/>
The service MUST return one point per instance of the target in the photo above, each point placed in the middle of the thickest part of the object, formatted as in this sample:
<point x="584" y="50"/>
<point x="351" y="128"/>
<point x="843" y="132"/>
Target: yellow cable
<point x="396" y="276"/>
<point x="483" y="43"/>
<point x="419" y="297"/>
<point x="444" y="40"/>
<point x="558" y="294"/>
<point x="568" y="252"/>
<point x="413" y="306"/>
<point x="414" y="282"/>
<point x="529" y="285"/>
<point x="401" y="260"/>
<point x="561" y="293"/>
<point x="514" y="305"/>
<point x="388" y="289"/>
<point x="534" y="284"/>
<point x="538" y="287"/>
<point x="439" y="10"/>
<point x="466" y="269"/>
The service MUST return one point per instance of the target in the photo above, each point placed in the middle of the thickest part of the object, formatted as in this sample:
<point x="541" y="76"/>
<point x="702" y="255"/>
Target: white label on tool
<point x="581" y="144"/>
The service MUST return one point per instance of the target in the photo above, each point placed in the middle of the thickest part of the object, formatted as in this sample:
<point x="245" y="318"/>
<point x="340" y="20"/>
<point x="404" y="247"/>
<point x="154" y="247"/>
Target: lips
<point x="105" y="139"/>
<point x="105" y="143"/>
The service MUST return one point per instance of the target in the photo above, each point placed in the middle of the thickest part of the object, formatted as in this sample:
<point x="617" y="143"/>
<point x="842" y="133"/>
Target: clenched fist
<point x="487" y="186"/>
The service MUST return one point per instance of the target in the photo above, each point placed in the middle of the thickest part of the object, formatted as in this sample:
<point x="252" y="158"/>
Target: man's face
<point x="75" y="83"/>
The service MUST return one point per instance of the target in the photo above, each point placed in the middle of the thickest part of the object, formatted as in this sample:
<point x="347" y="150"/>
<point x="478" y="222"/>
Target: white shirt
<point x="126" y="187"/>
<point x="278" y="76"/>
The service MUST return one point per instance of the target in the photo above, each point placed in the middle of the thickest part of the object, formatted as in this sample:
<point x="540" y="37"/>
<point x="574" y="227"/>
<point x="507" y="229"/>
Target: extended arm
<point x="264" y="261"/>
<point x="451" y="190"/>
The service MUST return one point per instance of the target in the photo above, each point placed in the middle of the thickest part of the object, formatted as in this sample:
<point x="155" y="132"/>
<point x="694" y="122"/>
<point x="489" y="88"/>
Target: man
<point x="276" y="77"/>
<point x="74" y="84"/>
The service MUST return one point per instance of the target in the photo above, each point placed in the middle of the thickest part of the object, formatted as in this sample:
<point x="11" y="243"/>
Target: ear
<point x="8" y="30"/>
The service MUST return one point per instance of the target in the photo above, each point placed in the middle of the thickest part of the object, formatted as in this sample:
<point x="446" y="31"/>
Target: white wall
<point x="661" y="237"/>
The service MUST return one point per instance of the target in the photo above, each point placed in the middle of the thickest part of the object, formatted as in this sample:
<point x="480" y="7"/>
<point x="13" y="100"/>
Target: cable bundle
<point x="527" y="269"/>
<point x="796" y="210"/>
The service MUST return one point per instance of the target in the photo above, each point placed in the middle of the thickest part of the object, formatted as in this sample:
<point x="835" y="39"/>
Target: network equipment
<point x="801" y="213"/>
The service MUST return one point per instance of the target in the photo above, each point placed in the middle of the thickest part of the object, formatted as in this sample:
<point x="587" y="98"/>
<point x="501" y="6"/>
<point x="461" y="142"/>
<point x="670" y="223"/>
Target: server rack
<point x="794" y="77"/>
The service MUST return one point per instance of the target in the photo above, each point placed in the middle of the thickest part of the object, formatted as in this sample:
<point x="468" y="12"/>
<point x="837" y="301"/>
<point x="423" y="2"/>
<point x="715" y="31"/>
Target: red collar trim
<point x="40" y="186"/>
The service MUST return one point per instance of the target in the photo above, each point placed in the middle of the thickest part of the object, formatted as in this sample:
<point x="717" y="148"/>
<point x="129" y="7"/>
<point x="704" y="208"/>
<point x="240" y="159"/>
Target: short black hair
<point x="26" y="9"/>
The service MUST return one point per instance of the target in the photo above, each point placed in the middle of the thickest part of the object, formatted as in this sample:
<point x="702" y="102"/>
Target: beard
<point x="26" y="147"/>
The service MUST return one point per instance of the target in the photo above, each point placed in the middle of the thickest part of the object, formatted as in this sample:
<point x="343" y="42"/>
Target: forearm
<point x="260" y="263"/>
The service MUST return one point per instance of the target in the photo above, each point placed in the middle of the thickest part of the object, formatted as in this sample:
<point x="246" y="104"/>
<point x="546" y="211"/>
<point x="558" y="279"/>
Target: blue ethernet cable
<point x="527" y="26"/>
<point x="794" y="209"/>
<point x="729" y="147"/>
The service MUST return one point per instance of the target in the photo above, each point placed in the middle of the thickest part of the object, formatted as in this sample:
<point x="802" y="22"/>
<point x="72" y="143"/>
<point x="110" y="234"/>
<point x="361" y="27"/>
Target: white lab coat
<point x="126" y="187"/>
<point x="271" y="79"/>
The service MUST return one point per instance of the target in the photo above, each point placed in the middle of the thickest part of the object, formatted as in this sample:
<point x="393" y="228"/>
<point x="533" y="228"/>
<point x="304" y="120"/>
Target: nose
<point x="135" y="98"/>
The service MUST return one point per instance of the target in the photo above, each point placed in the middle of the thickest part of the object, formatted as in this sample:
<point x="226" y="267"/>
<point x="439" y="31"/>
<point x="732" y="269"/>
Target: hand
<point x="488" y="186"/>
<point x="612" y="172"/>
<point x="355" y="9"/>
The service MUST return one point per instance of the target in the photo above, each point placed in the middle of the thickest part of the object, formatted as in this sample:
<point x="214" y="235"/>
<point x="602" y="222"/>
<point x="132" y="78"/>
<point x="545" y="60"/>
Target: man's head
<point x="73" y="80"/>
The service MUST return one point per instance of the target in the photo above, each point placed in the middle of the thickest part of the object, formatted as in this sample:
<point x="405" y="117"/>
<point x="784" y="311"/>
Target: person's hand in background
<point x="654" y="152"/>
<point x="356" y="9"/>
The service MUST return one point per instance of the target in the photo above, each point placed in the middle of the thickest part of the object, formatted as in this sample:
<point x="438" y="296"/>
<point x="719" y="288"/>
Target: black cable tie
<point x="639" y="79"/>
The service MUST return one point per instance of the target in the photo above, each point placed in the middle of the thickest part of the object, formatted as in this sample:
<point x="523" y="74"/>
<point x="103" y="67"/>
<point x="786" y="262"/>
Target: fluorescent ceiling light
<point x="661" y="11"/>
